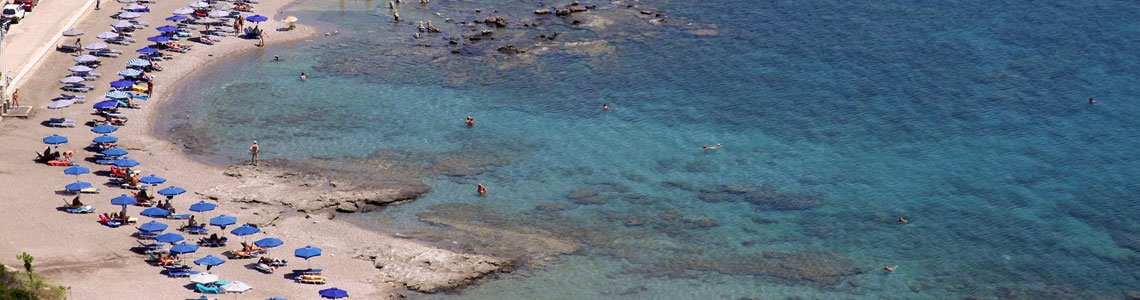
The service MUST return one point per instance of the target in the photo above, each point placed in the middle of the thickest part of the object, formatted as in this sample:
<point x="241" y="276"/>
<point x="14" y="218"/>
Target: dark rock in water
<point x="1133" y="295"/>
<point x="562" y="12"/>
<point x="703" y="223"/>
<point x="509" y="49"/>
<point x="765" y="198"/>
<point x="496" y="20"/>
<point x="468" y="51"/>
<point x="685" y="186"/>
<point x="552" y="207"/>
<point x="586" y="196"/>
<point x="544" y="11"/>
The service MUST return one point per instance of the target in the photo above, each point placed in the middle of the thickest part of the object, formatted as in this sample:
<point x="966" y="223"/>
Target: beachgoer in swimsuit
<point x="902" y="220"/>
<point x="889" y="268"/>
<point x="276" y="58"/>
<point x="254" y="149"/>
<point x="605" y="106"/>
<point x="1092" y="101"/>
<point x="470" y="121"/>
<point x="304" y="77"/>
<point x="482" y="189"/>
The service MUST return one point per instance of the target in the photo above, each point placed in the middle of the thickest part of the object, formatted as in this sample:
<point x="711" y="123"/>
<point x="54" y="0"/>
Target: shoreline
<point x="75" y="251"/>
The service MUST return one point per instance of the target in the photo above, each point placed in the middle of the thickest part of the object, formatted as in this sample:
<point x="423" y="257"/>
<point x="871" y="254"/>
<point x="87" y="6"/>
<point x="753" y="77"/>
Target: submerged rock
<point x="586" y="196"/>
<point x="433" y="270"/>
<point x="766" y="198"/>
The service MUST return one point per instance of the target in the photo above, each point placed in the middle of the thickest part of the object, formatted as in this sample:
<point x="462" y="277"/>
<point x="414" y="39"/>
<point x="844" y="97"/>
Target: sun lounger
<point x="212" y="243"/>
<point x="180" y="273"/>
<point x="103" y="219"/>
<point x="310" y="271"/>
<point x="61" y="122"/>
<point x="207" y="289"/>
<point x="238" y="254"/>
<point x="86" y="209"/>
<point x="201" y="229"/>
<point x="59" y="163"/>
<point x="78" y="88"/>
<point x="90" y="190"/>
<point x="69" y="97"/>
<point x="311" y="279"/>
<point x="264" y="268"/>
<point x="68" y="48"/>
<point x="146" y="235"/>
<point x="178" y="216"/>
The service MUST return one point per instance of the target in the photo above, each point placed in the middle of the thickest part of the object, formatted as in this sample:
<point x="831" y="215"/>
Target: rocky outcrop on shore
<point x="430" y="270"/>
<point x="315" y="185"/>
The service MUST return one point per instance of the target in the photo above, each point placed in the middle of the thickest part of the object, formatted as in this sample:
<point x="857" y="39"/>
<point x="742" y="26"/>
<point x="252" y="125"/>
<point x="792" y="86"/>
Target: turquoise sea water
<point x="970" y="118"/>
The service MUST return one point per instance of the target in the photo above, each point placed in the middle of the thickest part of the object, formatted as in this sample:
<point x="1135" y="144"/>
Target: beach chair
<point x="84" y="209"/>
<point x="59" y="163"/>
<point x="78" y="88"/>
<point x="68" y="48"/>
<point x="311" y="279"/>
<point x="103" y="219"/>
<point x="90" y="190"/>
<point x="146" y="235"/>
<point x="61" y="122"/>
<point x="207" y="289"/>
<point x="239" y="254"/>
<point x="201" y="229"/>
<point x="264" y="268"/>
<point x="178" y="216"/>
<point x="176" y="273"/>
<point x="77" y="98"/>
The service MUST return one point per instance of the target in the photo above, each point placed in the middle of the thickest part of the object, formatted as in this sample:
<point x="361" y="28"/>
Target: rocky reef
<point x="430" y="270"/>
<point x="764" y="198"/>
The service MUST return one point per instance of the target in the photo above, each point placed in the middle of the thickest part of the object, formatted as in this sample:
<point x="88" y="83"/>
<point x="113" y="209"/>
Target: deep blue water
<point x="970" y="118"/>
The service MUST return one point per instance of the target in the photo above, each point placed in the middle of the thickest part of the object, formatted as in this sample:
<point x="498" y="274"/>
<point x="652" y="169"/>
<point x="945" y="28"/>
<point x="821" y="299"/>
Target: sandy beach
<point x="96" y="261"/>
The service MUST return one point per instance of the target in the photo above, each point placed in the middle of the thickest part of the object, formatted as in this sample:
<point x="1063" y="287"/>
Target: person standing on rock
<point x="253" y="150"/>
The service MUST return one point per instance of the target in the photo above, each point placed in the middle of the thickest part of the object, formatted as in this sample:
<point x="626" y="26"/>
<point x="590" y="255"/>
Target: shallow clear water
<point x="970" y="118"/>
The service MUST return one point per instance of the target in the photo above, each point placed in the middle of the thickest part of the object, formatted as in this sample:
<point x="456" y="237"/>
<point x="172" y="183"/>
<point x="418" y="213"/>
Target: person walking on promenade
<point x="16" y="98"/>
<point x="253" y="150"/>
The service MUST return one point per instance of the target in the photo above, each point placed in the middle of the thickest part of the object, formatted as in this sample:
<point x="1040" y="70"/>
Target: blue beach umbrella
<point x="105" y="104"/>
<point x="183" y="248"/>
<point x="125" y="163"/>
<point x="268" y="242"/>
<point x="104" y="139"/>
<point x="117" y="94"/>
<point x="245" y="230"/>
<point x="147" y="50"/>
<point x="155" y="212"/>
<point x="104" y="129"/>
<point x="79" y="69"/>
<point x="171" y="191"/>
<point x="209" y="261"/>
<point x="76" y="170"/>
<point x="122" y="24"/>
<point x="158" y="39"/>
<point x="86" y="58"/>
<point x="167" y="28"/>
<point x="333" y="293"/>
<point x="55" y="139"/>
<point x="72" y="79"/>
<point x="176" y="18"/>
<point x="152" y="226"/>
<point x="77" y="186"/>
<point x="138" y="63"/>
<point x="121" y="84"/>
<point x="152" y="179"/>
<point x="95" y="46"/>
<point x="123" y="199"/>
<point x="257" y="18"/>
<point x="223" y="221"/>
<point x="115" y="151"/>
<point x="130" y="72"/>
<point x="307" y="252"/>
<point x="107" y="35"/>
<point x="202" y="206"/>
<point x="169" y="238"/>
<point x="60" y="104"/>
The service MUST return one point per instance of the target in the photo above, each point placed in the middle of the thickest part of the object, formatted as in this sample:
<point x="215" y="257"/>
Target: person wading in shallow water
<point x="482" y="190"/>
<point x="253" y="150"/>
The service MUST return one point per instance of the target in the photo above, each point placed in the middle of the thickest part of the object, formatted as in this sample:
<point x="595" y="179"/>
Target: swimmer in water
<point x="1092" y="101"/>
<point x="482" y="190"/>
<point x="470" y="121"/>
<point x="889" y="268"/>
<point x="711" y="147"/>
<point x="304" y="77"/>
<point x="605" y="106"/>
<point x="902" y="220"/>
